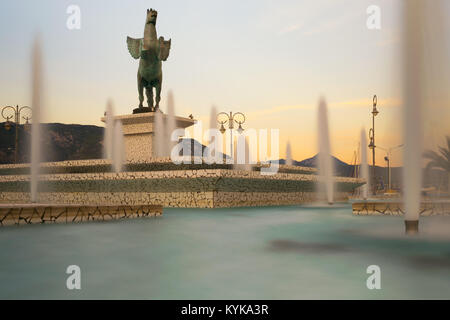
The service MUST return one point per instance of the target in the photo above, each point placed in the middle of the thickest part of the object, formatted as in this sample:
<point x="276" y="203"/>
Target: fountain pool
<point x="292" y="252"/>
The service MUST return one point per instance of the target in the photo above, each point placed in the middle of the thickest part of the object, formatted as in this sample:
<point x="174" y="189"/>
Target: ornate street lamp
<point x="372" y="141"/>
<point x="231" y="118"/>
<point x="387" y="158"/>
<point x="27" y="125"/>
<point x="388" y="162"/>
<point x="7" y="125"/>
<point x="16" y="114"/>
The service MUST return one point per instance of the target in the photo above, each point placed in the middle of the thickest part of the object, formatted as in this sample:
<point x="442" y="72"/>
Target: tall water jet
<point x="288" y="154"/>
<point x="364" y="169"/>
<point x="118" y="158"/>
<point x="243" y="154"/>
<point x="324" y="157"/>
<point x="424" y="59"/>
<point x="413" y="46"/>
<point x="213" y="155"/>
<point x="171" y="124"/>
<point x="108" y="141"/>
<point x="159" y="150"/>
<point x="213" y="118"/>
<point x="36" y="123"/>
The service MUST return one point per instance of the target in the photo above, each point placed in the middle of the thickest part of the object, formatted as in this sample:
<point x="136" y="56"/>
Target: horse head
<point x="151" y="16"/>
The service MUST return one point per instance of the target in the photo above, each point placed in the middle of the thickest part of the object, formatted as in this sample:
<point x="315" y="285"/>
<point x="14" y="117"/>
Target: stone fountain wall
<point x="394" y="207"/>
<point x="185" y="187"/>
<point x="46" y="214"/>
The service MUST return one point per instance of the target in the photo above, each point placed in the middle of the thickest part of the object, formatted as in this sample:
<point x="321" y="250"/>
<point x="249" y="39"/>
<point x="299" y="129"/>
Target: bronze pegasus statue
<point x="150" y="51"/>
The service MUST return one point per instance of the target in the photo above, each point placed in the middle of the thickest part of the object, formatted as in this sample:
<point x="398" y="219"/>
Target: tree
<point x="440" y="160"/>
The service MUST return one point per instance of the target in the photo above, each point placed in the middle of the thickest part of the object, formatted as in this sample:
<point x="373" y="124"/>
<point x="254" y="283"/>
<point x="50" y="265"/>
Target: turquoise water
<point x="249" y="253"/>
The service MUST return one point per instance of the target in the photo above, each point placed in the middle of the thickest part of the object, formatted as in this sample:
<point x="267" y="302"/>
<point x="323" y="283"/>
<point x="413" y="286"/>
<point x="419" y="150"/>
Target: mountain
<point x="341" y="168"/>
<point x="65" y="142"/>
<point x="59" y="142"/>
<point x="431" y="177"/>
<point x="195" y="148"/>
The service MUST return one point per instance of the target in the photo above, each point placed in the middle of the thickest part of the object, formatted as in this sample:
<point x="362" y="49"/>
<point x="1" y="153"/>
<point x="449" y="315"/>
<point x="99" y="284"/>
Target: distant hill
<point x="344" y="169"/>
<point x="195" y="148"/>
<point x="64" y="142"/>
<point x="432" y="177"/>
<point x="341" y="168"/>
<point x="59" y="142"/>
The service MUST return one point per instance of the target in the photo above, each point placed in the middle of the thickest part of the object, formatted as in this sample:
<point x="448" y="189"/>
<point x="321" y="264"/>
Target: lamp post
<point x="372" y="141"/>
<point x="231" y="118"/>
<point x="17" y="112"/>
<point x="388" y="160"/>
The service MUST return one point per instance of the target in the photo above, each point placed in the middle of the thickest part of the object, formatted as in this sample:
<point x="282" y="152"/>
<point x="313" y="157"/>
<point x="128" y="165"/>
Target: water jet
<point x="36" y="125"/>
<point x="325" y="165"/>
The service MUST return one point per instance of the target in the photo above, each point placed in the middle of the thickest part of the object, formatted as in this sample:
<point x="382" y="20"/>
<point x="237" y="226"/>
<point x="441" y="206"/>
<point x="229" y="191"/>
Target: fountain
<point x="413" y="82"/>
<point x="288" y="154"/>
<point x="84" y="190"/>
<point x="113" y="145"/>
<point x="36" y="125"/>
<point x="109" y="131"/>
<point x="249" y="156"/>
<point x="243" y="155"/>
<point x="214" y="150"/>
<point x="160" y="147"/>
<point x="324" y="157"/>
<point x="171" y="125"/>
<point x="364" y="169"/>
<point x="213" y="118"/>
<point x="424" y="58"/>
<point x="118" y="159"/>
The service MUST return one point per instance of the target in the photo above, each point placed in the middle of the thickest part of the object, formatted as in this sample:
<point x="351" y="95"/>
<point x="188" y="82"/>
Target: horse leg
<point x="149" y="94"/>
<point x="158" y="94"/>
<point x="140" y="90"/>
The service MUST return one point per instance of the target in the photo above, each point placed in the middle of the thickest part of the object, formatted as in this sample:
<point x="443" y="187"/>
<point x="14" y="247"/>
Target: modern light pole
<point x="372" y="142"/>
<point x="231" y="118"/>
<point x="17" y="111"/>
<point x="388" y="160"/>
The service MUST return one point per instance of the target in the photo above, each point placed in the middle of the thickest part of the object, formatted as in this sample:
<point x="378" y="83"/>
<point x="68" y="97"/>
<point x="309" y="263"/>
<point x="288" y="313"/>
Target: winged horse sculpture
<point x="150" y="51"/>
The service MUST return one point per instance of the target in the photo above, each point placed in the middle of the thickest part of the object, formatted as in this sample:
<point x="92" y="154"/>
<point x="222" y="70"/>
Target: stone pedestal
<point x="138" y="132"/>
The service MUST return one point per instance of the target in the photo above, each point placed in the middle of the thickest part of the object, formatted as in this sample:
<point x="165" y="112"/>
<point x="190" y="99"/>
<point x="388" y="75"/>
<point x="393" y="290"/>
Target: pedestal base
<point x="138" y="130"/>
<point x="411" y="227"/>
<point x="142" y="110"/>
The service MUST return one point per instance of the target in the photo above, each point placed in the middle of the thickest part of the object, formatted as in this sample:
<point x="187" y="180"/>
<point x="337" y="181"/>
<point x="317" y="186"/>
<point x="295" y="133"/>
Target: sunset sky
<point x="271" y="60"/>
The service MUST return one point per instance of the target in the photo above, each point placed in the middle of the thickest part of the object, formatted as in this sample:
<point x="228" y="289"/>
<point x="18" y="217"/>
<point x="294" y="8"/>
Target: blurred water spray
<point x="119" y="147"/>
<point x="108" y="141"/>
<point x="425" y="75"/>
<point x="36" y="104"/>
<point x="364" y="166"/>
<point x="171" y="124"/>
<point x="159" y="150"/>
<point x="288" y="154"/>
<point x="324" y="157"/>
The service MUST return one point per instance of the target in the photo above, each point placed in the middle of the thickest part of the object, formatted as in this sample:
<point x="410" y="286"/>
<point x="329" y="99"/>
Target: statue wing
<point x="164" y="48"/>
<point x="134" y="47"/>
